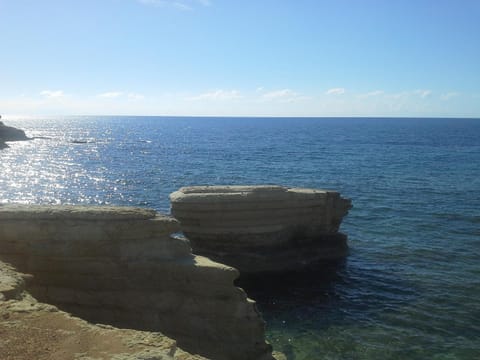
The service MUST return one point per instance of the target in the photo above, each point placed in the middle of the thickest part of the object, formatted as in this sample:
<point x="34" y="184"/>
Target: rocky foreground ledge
<point x="33" y="330"/>
<point x="121" y="267"/>
<point x="264" y="228"/>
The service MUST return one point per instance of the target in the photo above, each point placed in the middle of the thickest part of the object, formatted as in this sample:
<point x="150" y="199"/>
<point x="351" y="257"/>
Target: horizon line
<point x="16" y="117"/>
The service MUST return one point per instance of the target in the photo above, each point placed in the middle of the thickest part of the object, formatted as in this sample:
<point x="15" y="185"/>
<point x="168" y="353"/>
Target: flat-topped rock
<point x="262" y="228"/>
<point x="122" y="266"/>
<point x="75" y="212"/>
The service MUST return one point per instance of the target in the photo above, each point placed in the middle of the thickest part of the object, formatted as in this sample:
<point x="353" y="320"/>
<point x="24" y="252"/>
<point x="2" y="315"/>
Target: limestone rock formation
<point x="32" y="330"/>
<point x="120" y="266"/>
<point x="262" y="228"/>
<point x="9" y="133"/>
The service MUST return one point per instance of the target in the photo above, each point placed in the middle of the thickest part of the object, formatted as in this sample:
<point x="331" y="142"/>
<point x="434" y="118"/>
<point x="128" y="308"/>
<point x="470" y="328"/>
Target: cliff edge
<point x="262" y="228"/>
<point x="9" y="133"/>
<point x="33" y="330"/>
<point x="121" y="266"/>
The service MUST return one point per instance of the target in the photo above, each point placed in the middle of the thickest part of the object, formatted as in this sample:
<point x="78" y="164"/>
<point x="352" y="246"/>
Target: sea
<point x="410" y="286"/>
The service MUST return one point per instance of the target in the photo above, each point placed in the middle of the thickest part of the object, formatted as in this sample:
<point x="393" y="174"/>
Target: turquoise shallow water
<point x="409" y="289"/>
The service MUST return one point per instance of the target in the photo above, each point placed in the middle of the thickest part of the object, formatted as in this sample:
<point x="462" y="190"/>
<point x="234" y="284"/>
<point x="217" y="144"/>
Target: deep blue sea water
<point x="410" y="288"/>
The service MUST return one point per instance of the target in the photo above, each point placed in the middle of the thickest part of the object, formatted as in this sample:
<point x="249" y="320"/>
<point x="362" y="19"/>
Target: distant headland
<point x="9" y="133"/>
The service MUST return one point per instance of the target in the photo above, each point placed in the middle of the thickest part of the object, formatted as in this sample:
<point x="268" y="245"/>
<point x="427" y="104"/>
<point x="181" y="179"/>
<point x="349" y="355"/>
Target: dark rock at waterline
<point x="9" y="133"/>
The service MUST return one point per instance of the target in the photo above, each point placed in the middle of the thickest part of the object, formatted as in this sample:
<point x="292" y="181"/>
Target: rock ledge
<point x="33" y="330"/>
<point x="122" y="267"/>
<point x="262" y="228"/>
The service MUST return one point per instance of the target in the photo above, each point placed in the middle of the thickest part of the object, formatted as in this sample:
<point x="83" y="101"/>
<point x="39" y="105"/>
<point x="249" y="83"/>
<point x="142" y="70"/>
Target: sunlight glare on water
<point x="410" y="287"/>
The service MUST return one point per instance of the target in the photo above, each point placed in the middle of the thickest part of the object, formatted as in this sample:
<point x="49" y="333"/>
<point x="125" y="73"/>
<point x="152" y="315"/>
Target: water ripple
<point x="408" y="290"/>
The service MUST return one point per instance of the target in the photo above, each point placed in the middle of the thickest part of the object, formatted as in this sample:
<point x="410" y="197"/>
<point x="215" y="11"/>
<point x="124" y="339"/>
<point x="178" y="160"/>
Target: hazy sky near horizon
<point x="240" y="58"/>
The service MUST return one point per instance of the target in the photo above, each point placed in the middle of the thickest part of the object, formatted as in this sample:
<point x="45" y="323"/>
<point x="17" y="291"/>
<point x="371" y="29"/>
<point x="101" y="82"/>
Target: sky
<point x="381" y="58"/>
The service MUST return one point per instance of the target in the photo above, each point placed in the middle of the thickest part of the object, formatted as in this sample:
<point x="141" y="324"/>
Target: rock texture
<point x="8" y="133"/>
<point x="262" y="228"/>
<point x="32" y="330"/>
<point x="120" y="266"/>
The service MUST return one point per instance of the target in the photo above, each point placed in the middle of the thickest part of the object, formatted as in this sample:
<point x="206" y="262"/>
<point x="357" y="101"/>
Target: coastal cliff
<point x="263" y="228"/>
<point x="120" y="266"/>
<point x="9" y="133"/>
<point x="33" y="330"/>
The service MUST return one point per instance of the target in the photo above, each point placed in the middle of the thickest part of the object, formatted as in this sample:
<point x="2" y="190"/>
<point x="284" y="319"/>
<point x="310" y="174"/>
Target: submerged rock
<point x="262" y="228"/>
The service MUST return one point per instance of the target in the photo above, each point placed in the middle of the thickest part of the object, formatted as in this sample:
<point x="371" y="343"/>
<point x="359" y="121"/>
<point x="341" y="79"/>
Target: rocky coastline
<point x="121" y="267"/>
<point x="262" y="228"/>
<point x="34" y="330"/>
<point x="9" y="133"/>
<point x="65" y="268"/>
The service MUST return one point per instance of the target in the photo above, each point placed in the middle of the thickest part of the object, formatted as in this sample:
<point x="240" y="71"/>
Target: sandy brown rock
<point x="262" y="228"/>
<point x="121" y="266"/>
<point x="32" y="330"/>
<point x="73" y="212"/>
<point x="12" y="283"/>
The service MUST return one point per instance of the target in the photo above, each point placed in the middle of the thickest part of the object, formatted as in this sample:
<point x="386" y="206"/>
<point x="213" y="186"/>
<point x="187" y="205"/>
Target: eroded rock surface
<point x="32" y="330"/>
<point x="120" y="266"/>
<point x="262" y="228"/>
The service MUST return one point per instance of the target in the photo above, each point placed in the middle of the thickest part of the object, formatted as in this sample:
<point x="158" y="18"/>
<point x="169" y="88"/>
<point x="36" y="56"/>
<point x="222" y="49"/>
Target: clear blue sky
<point x="246" y="58"/>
